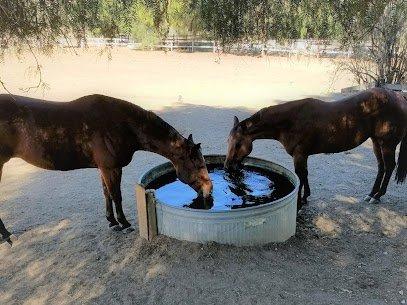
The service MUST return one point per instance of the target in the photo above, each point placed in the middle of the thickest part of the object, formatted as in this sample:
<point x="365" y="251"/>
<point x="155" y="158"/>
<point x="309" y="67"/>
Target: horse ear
<point x="235" y="121"/>
<point x="190" y="138"/>
<point x="198" y="145"/>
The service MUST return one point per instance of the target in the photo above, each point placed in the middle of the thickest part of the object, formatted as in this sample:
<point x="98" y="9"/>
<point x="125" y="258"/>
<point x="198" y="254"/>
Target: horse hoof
<point x="115" y="228"/>
<point x="127" y="230"/>
<point x="9" y="240"/>
<point x="374" y="201"/>
<point x="5" y="243"/>
<point x="367" y="198"/>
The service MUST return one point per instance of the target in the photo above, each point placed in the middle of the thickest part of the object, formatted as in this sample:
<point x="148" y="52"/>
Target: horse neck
<point x="157" y="136"/>
<point x="161" y="146"/>
<point x="263" y="125"/>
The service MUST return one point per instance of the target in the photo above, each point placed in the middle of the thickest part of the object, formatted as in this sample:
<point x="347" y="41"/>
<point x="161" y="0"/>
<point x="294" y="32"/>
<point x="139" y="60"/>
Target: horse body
<point x="330" y="127"/>
<point x="94" y="131"/>
<point x="310" y="126"/>
<point x="86" y="133"/>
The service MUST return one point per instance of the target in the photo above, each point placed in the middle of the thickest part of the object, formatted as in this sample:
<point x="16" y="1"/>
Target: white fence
<point x="196" y="44"/>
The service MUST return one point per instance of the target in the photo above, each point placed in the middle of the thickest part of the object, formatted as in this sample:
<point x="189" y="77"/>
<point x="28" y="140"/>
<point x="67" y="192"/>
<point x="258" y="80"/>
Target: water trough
<point x="270" y="222"/>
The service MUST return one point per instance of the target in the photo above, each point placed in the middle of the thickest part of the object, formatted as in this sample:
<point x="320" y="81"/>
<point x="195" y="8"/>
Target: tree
<point x="376" y="32"/>
<point x="184" y="17"/>
<point x="38" y="25"/>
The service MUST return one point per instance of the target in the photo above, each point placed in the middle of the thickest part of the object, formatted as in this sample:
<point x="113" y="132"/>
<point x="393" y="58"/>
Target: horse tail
<point x="401" y="173"/>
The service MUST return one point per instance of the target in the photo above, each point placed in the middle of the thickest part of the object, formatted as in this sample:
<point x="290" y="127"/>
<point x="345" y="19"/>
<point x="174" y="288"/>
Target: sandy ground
<point x="157" y="79"/>
<point x="345" y="251"/>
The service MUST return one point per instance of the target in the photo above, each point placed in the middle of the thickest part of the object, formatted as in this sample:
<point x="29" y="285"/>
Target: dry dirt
<point x="345" y="251"/>
<point x="157" y="79"/>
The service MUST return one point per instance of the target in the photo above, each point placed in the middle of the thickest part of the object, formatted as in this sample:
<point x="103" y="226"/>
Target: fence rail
<point x="197" y="44"/>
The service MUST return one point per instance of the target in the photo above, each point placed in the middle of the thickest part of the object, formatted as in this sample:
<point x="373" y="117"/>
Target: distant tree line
<point x="227" y="21"/>
<point x="41" y="23"/>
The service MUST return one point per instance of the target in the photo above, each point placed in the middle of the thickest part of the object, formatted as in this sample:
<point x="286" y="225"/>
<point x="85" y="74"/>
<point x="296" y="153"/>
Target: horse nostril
<point x="210" y="186"/>
<point x="206" y="188"/>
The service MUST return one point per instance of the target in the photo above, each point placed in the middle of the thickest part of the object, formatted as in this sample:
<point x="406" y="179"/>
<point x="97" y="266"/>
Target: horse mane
<point x="143" y="115"/>
<point x="275" y="110"/>
<point x="156" y="125"/>
<point x="154" y="120"/>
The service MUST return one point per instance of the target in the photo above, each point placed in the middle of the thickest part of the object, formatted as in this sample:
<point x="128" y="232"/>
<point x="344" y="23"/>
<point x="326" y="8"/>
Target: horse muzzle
<point x="203" y="187"/>
<point x="231" y="165"/>
<point x="206" y="188"/>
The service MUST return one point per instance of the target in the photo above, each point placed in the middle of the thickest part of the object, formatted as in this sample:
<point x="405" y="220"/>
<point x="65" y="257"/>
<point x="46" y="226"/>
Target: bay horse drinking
<point x="94" y="131"/>
<point x="310" y="126"/>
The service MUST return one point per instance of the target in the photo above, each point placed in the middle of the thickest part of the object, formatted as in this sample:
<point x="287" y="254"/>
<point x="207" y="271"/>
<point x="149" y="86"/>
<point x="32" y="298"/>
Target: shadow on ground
<point x="345" y="251"/>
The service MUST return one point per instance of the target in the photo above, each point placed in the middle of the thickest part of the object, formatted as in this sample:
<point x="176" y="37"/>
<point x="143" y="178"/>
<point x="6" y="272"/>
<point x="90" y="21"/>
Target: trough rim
<point x="271" y="206"/>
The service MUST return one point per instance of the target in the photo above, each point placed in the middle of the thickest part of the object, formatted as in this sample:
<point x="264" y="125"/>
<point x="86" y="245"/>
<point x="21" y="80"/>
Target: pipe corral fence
<point x="315" y="47"/>
<point x="307" y="47"/>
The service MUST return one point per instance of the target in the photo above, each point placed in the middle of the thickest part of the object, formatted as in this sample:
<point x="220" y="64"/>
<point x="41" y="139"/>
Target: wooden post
<point x="147" y="219"/>
<point x="142" y="211"/>
<point x="151" y="215"/>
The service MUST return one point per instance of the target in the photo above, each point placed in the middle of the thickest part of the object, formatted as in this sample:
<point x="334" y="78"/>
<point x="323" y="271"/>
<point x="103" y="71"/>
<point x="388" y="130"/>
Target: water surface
<point x="231" y="190"/>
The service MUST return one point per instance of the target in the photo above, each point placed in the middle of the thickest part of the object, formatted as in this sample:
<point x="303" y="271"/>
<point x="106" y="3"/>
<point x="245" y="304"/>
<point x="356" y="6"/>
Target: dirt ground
<point x="344" y="252"/>
<point x="157" y="79"/>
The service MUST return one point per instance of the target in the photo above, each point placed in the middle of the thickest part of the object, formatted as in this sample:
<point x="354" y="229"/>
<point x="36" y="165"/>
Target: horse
<point x="310" y="126"/>
<point x="94" y="131"/>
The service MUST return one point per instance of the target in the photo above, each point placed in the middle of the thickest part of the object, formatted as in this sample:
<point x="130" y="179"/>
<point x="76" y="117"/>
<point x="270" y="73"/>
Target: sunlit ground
<point x="157" y="79"/>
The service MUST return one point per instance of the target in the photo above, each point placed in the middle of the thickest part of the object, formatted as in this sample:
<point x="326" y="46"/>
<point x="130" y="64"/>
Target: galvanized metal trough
<point x="262" y="224"/>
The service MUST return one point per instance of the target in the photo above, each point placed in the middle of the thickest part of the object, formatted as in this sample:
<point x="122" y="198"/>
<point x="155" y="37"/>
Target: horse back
<point x="328" y="127"/>
<point x="87" y="132"/>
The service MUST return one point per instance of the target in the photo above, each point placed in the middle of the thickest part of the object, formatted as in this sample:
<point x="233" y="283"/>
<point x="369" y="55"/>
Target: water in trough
<point x="246" y="187"/>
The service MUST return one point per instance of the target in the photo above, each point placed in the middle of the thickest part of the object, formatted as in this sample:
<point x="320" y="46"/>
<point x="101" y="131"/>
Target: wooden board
<point x="151" y="215"/>
<point x="147" y="219"/>
<point x="142" y="211"/>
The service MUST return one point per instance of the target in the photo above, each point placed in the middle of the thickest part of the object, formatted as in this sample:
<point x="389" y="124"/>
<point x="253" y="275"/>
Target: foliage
<point x="111" y="18"/>
<point x="228" y="21"/>
<point x="377" y="34"/>
<point x="142" y="27"/>
<point x="184" y="17"/>
<point x="40" y="24"/>
<point x="261" y="20"/>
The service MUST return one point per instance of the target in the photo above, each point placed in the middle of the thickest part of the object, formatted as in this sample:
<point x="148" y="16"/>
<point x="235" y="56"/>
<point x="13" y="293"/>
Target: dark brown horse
<point x="94" y="132"/>
<point x="310" y="126"/>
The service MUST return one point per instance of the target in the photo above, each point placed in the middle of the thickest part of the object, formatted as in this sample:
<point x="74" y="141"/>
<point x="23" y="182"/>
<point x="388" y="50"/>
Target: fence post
<point x="147" y="217"/>
<point x="141" y="205"/>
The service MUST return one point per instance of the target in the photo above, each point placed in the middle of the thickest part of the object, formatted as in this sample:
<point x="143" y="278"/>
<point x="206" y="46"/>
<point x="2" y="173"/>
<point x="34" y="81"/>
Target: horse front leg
<point x="389" y="160"/>
<point x="307" y="190"/>
<point x="380" y="170"/>
<point x="301" y="169"/>
<point x="5" y="234"/>
<point x="112" y="179"/>
<point x="109" y="207"/>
